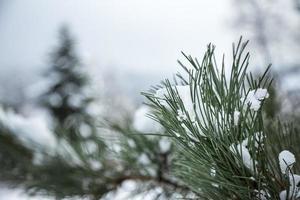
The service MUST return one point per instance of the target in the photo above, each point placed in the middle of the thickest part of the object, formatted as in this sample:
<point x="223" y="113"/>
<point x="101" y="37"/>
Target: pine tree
<point x="67" y="98"/>
<point x="80" y="165"/>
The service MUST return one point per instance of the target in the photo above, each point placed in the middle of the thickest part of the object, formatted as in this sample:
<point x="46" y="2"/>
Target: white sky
<point x="135" y="37"/>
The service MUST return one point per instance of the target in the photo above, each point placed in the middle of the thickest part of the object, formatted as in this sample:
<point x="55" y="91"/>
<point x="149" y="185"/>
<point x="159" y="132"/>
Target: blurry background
<point x="127" y="46"/>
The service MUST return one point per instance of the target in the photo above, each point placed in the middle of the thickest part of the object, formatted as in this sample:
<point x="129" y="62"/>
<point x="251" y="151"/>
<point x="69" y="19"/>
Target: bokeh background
<point x="127" y="46"/>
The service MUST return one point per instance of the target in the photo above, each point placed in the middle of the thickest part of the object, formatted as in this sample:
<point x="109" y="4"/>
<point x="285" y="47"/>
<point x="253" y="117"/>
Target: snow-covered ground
<point x="17" y="194"/>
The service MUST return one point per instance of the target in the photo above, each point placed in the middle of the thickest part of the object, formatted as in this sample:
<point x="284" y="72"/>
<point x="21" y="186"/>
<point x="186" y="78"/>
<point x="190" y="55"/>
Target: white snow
<point x="294" y="180"/>
<point x="261" y="94"/>
<point x="294" y="190"/>
<point x="95" y="164"/>
<point x="18" y="194"/>
<point x="27" y="129"/>
<point x="255" y="97"/>
<point x="242" y="151"/>
<point x="262" y="195"/>
<point x="215" y="185"/>
<point x="191" y="144"/>
<point x="282" y="195"/>
<point x="143" y="159"/>
<point x="128" y="188"/>
<point x="193" y="110"/>
<point x="177" y="134"/>
<point x="55" y="100"/>
<point x="184" y="93"/>
<point x="189" y="132"/>
<point x="236" y="117"/>
<point x="76" y="100"/>
<point x="181" y="116"/>
<point x="164" y="145"/>
<point x="212" y="171"/>
<point x="161" y="94"/>
<point x="258" y="140"/>
<point x="286" y="159"/>
<point x="143" y="123"/>
<point x="151" y="171"/>
<point x="91" y="147"/>
<point x="131" y="143"/>
<point x="85" y="130"/>
<point x="116" y="147"/>
<point x="65" y="150"/>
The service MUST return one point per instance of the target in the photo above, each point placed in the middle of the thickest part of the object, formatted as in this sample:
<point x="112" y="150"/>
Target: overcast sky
<point x="132" y="37"/>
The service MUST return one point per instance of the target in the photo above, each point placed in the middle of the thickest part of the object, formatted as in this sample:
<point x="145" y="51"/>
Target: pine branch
<point x="161" y="161"/>
<point x="217" y="121"/>
<point x="12" y="156"/>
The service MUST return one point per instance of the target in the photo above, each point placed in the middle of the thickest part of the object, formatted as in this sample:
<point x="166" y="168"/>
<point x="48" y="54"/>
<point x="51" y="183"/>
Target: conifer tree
<point x="67" y="98"/>
<point x="81" y="165"/>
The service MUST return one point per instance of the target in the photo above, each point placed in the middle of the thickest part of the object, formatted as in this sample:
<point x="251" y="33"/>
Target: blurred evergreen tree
<point x="67" y="98"/>
<point x="83" y="164"/>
